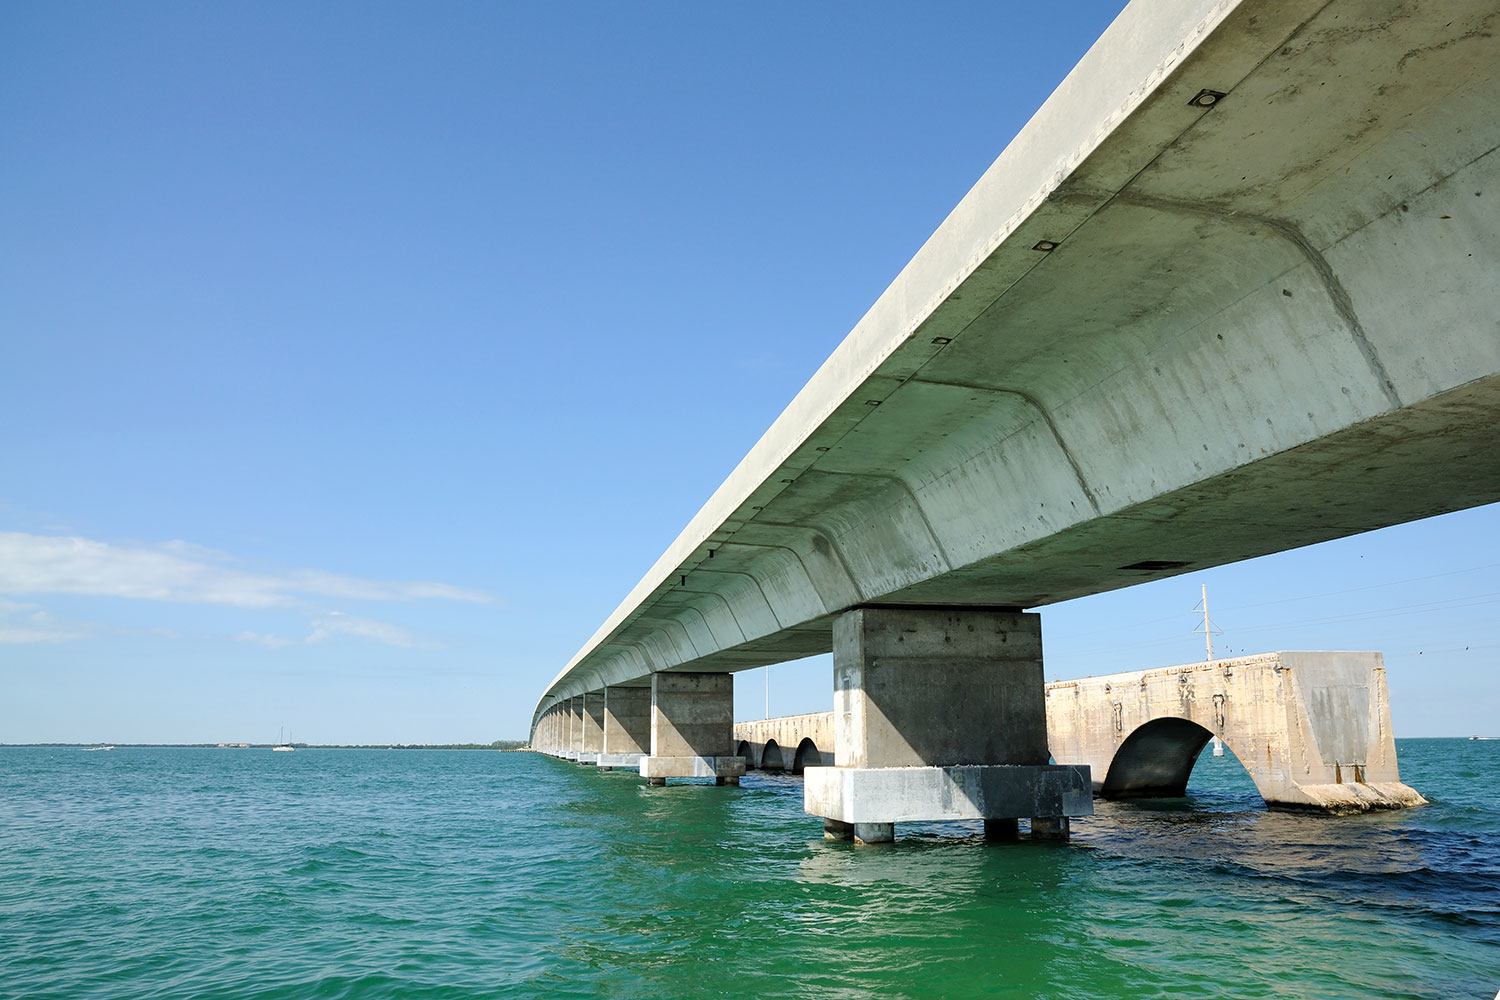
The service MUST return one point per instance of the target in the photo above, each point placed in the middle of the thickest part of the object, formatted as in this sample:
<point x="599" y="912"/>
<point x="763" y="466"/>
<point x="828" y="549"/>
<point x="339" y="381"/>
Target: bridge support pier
<point x="940" y="715"/>
<point x="574" y="723"/>
<point x="1049" y="828"/>
<point x="591" y="721"/>
<point x="692" y="729"/>
<point x="1002" y="829"/>
<point x="860" y="833"/>
<point x="626" y="727"/>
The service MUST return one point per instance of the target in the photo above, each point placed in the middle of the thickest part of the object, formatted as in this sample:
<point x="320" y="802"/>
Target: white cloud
<point x="24" y="623"/>
<point x="178" y="571"/>
<point x="336" y="624"/>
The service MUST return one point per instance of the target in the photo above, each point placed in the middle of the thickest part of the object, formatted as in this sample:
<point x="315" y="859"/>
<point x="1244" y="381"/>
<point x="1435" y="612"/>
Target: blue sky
<point x="355" y="360"/>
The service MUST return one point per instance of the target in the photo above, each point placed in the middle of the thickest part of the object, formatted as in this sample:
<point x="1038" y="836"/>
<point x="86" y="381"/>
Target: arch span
<point x="807" y="755"/>
<point x="1315" y="728"/>
<point x="771" y="757"/>
<point x="801" y="741"/>
<point x="1156" y="759"/>
<point x="743" y="750"/>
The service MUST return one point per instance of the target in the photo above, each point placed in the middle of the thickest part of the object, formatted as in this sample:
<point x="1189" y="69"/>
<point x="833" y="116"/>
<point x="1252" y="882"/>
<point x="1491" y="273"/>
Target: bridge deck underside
<point x="1263" y="325"/>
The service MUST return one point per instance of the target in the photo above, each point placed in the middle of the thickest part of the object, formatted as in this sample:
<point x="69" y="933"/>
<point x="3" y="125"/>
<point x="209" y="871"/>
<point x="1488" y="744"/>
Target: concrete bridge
<point x="788" y="743"/>
<point x="1232" y="290"/>
<point x="1313" y="729"/>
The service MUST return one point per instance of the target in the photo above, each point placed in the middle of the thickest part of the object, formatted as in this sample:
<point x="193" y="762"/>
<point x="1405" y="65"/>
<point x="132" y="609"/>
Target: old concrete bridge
<point x="1313" y="729"/>
<point x="1232" y="290"/>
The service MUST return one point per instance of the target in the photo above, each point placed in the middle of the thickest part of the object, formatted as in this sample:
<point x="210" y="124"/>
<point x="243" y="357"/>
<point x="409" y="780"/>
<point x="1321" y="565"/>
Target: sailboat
<point x="282" y="746"/>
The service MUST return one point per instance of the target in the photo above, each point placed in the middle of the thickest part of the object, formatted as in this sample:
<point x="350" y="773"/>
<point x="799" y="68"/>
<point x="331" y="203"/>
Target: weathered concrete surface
<point x="1261" y="324"/>
<point x="573" y="742"/>
<point x="627" y="761"/>
<point x="627" y="721"/>
<point x="915" y="688"/>
<point x="541" y="733"/>
<point x="692" y="728"/>
<point x="591" y="721"/>
<point x="939" y="714"/>
<point x="787" y="743"/>
<point x="907" y="794"/>
<point x="557" y="740"/>
<point x="687" y="766"/>
<point x="1312" y="728"/>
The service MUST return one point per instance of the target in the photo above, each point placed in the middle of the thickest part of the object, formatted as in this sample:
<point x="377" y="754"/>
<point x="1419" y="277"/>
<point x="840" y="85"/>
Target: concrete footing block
<point x="1002" y="829"/>
<point x="1050" y="828"/>
<point x="588" y="758"/>
<point x="884" y="795"/>
<point x="860" y="833"/>
<point x="692" y="767"/>
<point x="1346" y="799"/>
<point x="625" y="760"/>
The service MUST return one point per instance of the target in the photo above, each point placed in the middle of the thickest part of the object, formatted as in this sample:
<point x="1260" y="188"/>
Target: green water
<point x="243" y="873"/>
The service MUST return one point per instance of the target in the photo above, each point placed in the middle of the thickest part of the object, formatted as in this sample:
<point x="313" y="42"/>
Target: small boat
<point x="283" y="746"/>
<point x="99" y="748"/>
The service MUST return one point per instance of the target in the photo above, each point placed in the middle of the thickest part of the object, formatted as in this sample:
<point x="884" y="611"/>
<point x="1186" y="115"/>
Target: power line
<point x="1430" y="607"/>
<point x="1355" y="590"/>
<point x="1305" y="597"/>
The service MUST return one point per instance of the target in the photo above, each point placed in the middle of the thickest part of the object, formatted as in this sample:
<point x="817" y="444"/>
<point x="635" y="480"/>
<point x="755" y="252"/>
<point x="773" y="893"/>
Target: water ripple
<point x="186" y="873"/>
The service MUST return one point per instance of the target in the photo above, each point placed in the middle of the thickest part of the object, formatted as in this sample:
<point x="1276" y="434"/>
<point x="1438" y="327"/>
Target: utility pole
<point x="768" y="690"/>
<point x="1208" y="645"/>
<point x="1208" y="631"/>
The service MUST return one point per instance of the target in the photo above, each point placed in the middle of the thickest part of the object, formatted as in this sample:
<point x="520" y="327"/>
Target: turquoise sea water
<point x="359" y="873"/>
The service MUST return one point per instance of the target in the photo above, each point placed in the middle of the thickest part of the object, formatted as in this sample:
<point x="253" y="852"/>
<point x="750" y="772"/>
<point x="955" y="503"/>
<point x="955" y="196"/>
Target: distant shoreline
<point x="496" y="745"/>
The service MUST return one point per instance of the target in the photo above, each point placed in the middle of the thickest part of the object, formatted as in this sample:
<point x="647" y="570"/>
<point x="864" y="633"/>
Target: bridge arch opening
<point x="807" y="753"/>
<point x="770" y="757"/>
<point x="743" y="750"/>
<point x="1156" y="760"/>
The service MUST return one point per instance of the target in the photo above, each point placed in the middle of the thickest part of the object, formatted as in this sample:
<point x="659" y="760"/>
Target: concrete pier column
<point x="574" y="742"/>
<point x="627" y="727"/>
<point x="591" y="721"/>
<point x="940" y="715"/>
<point x="692" y="728"/>
<point x="1003" y="829"/>
<point x="1049" y="828"/>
